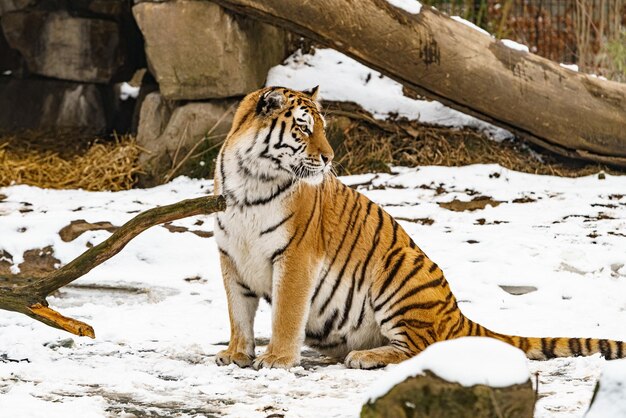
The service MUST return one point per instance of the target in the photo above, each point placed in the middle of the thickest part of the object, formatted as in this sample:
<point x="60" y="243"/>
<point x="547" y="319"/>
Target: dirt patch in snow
<point x="478" y="202"/>
<point x="80" y="226"/>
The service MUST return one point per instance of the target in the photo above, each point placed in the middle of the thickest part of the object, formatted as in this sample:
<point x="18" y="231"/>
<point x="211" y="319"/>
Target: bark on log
<point x="569" y="113"/>
<point x="30" y="298"/>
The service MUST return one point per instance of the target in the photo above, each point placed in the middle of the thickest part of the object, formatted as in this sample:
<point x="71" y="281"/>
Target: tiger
<point x="341" y="275"/>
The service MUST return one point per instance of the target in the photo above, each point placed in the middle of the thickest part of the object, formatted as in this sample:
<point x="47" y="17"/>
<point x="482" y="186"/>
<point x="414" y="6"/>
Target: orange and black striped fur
<point x="341" y="274"/>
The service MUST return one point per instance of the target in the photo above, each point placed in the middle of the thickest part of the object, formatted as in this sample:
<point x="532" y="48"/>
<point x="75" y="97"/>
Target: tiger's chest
<point x="250" y="237"/>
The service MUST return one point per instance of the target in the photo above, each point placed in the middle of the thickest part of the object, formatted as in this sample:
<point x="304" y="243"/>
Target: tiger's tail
<point x="548" y="347"/>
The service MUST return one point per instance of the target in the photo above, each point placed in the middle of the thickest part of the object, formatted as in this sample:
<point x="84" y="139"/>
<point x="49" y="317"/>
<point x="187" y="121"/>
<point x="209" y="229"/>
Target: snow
<point x="610" y="401"/>
<point x="571" y="67"/>
<point x="342" y="78"/>
<point x="126" y="91"/>
<point x="411" y="6"/>
<point x="157" y="333"/>
<point x="468" y="361"/>
<point x="470" y="24"/>
<point x="515" y="45"/>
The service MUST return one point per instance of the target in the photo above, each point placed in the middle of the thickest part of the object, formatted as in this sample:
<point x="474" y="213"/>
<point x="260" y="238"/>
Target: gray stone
<point x="181" y="138"/>
<point x="12" y="5"/>
<point x="517" y="290"/>
<point x="57" y="45"/>
<point x="196" y="50"/>
<point x="64" y="343"/>
<point x="44" y="104"/>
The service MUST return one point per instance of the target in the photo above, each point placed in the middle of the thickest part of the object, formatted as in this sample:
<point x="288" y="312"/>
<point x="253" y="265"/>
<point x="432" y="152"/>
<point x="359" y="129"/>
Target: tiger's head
<point x="278" y="133"/>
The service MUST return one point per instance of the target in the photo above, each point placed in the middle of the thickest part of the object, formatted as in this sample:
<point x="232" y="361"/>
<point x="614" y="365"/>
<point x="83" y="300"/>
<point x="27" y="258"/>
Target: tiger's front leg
<point x="293" y="282"/>
<point x="242" y="306"/>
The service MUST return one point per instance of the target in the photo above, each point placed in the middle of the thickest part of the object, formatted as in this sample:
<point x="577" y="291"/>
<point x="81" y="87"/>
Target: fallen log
<point x="29" y="297"/>
<point x="566" y="112"/>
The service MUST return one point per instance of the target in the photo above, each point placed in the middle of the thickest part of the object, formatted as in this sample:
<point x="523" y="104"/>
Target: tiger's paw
<point x="275" y="361"/>
<point x="365" y="359"/>
<point x="226" y="357"/>
<point x="376" y="357"/>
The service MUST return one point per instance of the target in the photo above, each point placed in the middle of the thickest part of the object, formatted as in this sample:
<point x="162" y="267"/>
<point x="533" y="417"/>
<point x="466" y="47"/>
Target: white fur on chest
<point x="249" y="245"/>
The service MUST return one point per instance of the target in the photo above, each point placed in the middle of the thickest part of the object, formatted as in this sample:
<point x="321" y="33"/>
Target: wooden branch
<point x="569" y="113"/>
<point x="30" y="298"/>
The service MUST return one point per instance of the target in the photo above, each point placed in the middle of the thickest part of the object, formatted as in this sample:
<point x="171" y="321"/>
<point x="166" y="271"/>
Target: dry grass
<point x="363" y="145"/>
<point x="60" y="161"/>
<point x="63" y="160"/>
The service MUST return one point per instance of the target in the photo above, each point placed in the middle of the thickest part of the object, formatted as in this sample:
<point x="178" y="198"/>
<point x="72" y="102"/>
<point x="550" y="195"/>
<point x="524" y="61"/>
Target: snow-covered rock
<point x="469" y="361"/>
<point x="472" y="377"/>
<point x="609" y="399"/>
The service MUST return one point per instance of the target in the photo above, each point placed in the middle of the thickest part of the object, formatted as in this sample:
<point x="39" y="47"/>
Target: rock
<point x="64" y="343"/>
<point x="469" y="377"/>
<point x="169" y="130"/>
<point x="11" y="5"/>
<point x="153" y="118"/>
<point x="43" y="104"/>
<point x="429" y="396"/>
<point x="196" y="50"/>
<point x="608" y="398"/>
<point x="65" y="47"/>
<point x="517" y="290"/>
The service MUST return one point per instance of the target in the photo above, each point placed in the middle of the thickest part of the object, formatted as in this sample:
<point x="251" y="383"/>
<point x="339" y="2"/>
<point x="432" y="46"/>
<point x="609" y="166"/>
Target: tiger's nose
<point x="326" y="158"/>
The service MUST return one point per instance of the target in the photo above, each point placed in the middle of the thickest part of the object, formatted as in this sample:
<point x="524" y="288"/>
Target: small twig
<point x="180" y="144"/>
<point x="536" y="384"/>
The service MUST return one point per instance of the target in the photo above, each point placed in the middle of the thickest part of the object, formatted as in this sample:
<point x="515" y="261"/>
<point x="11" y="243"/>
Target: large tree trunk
<point x="28" y="296"/>
<point x="566" y="112"/>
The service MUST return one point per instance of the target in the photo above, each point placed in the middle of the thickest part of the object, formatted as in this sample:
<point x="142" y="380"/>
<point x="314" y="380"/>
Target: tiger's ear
<point x="270" y="102"/>
<point x="313" y="93"/>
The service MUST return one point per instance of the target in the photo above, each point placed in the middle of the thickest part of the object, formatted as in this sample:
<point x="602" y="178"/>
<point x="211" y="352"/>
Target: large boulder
<point x="64" y="46"/>
<point x="469" y="377"/>
<point x="181" y="138"/>
<point x="43" y="104"/>
<point x="196" y="50"/>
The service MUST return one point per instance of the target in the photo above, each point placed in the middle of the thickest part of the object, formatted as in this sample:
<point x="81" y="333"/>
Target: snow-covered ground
<point x="160" y="315"/>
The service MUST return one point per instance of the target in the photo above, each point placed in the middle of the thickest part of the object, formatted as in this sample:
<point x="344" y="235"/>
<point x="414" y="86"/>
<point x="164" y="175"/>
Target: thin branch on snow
<point x="30" y="298"/>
